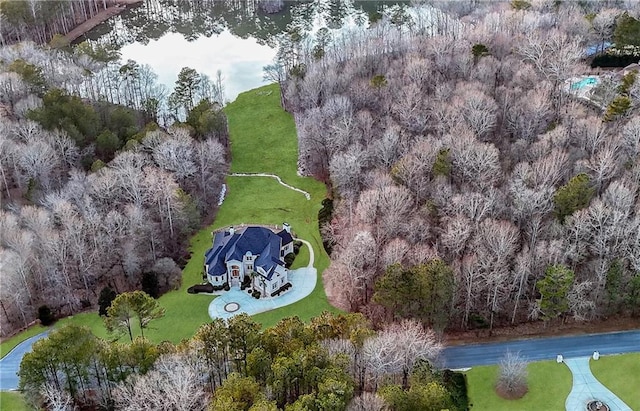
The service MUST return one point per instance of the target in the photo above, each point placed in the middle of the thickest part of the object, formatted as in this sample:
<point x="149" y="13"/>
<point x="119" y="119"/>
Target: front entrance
<point x="235" y="276"/>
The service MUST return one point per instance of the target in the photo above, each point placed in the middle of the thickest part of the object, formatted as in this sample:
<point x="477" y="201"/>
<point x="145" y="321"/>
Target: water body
<point x="235" y="37"/>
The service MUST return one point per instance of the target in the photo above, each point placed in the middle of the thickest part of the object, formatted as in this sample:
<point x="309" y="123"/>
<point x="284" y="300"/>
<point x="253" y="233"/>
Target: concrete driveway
<point x="537" y="349"/>
<point x="10" y="363"/>
<point x="303" y="281"/>
<point x="587" y="388"/>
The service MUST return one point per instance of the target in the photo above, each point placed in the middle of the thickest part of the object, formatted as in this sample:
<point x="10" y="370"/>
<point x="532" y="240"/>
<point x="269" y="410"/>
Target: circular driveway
<point x="303" y="281"/>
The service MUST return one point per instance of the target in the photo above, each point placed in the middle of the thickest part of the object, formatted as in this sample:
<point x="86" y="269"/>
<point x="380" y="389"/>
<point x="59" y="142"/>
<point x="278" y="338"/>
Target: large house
<point x="249" y="254"/>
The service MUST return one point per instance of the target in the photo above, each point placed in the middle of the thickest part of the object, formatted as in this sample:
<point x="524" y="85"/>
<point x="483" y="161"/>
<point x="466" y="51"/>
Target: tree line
<point x="333" y="362"/>
<point x="465" y="177"/>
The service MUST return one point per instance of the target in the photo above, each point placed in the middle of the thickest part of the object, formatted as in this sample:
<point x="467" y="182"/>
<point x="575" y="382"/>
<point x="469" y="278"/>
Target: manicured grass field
<point x="549" y="386"/>
<point x="13" y="401"/>
<point x="263" y="139"/>
<point x="620" y="374"/>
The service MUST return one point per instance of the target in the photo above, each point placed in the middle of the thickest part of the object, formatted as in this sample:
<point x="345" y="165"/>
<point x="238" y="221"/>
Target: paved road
<point x="542" y="348"/>
<point x="10" y="363"/>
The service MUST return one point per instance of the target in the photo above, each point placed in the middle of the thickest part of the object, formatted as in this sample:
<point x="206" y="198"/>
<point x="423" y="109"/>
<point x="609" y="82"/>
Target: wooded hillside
<point x="453" y="137"/>
<point x="92" y="192"/>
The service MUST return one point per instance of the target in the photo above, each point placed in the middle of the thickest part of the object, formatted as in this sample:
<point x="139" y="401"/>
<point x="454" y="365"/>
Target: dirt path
<point x="99" y="18"/>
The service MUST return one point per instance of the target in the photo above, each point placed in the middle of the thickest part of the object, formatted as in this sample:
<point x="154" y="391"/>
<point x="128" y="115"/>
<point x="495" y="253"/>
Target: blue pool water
<point x="587" y="81"/>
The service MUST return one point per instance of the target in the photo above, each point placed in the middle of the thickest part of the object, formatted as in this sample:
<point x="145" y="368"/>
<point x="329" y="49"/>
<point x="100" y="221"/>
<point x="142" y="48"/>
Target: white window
<point x="250" y="267"/>
<point x="273" y="287"/>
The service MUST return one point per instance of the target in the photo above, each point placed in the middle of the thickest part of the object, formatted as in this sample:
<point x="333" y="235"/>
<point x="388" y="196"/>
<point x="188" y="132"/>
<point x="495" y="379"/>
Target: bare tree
<point x="397" y="348"/>
<point x="173" y="384"/>
<point x="512" y="377"/>
<point x="367" y="401"/>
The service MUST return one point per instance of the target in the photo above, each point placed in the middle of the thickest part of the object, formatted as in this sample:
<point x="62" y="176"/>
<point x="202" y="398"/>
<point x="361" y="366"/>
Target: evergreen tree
<point x="573" y="196"/>
<point x="554" y="288"/>
<point x="423" y="292"/>
<point x="627" y="31"/>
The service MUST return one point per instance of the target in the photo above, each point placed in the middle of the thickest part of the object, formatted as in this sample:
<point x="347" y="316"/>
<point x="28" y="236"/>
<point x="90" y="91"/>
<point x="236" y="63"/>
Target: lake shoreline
<point x="100" y="18"/>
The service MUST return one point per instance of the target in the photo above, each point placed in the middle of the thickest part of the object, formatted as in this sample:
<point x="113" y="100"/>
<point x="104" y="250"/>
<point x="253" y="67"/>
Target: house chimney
<point x="286" y="227"/>
<point x="232" y="230"/>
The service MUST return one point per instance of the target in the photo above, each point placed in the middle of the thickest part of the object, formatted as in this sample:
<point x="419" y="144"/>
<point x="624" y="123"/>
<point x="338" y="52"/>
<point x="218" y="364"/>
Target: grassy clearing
<point x="549" y="386"/>
<point x="620" y="374"/>
<point x="13" y="401"/>
<point x="263" y="139"/>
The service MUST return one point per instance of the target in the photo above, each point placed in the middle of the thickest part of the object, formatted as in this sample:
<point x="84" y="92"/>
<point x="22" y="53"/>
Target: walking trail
<point x="307" y="195"/>
<point x="587" y="388"/>
<point x="303" y="281"/>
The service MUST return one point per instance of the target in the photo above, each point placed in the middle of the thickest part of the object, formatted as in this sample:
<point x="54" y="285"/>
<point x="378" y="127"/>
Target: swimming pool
<point x="587" y="81"/>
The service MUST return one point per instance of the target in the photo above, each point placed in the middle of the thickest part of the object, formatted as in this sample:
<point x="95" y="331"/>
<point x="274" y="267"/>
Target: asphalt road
<point x="10" y="363"/>
<point x="541" y="348"/>
<point x="454" y="357"/>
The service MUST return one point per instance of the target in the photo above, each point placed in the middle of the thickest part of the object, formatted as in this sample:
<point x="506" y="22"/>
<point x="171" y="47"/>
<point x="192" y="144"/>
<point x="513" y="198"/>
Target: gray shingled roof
<point x="259" y="240"/>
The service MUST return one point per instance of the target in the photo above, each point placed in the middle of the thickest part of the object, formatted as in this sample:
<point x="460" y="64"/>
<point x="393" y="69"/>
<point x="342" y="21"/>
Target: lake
<point x="235" y="37"/>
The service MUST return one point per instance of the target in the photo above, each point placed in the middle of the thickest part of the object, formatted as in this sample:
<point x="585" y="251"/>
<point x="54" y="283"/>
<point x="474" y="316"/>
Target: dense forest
<point x="93" y="192"/>
<point x="471" y="187"/>
<point x="329" y="363"/>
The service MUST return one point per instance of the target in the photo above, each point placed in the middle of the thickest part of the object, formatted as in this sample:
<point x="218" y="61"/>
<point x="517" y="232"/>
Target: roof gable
<point x="258" y="240"/>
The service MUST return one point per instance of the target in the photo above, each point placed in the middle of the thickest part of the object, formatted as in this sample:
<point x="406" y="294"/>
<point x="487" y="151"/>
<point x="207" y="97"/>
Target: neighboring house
<point x="254" y="254"/>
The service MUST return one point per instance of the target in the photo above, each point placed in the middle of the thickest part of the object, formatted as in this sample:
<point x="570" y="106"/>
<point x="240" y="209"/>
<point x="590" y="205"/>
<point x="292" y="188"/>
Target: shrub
<point x="226" y="287"/>
<point x="288" y="259"/>
<point x="107" y="295"/>
<point x="201" y="288"/>
<point x="296" y="246"/>
<point x="256" y="294"/>
<point x="457" y="385"/>
<point x="613" y="60"/>
<point x="150" y="284"/>
<point x="45" y="315"/>
<point x="324" y="217"/>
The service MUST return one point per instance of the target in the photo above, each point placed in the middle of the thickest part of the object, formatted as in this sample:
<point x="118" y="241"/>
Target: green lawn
<point x="549" y="386"/>
<point x="13" y="401"/>
<point x="620" y="374"/>
<point x="263" y="139"/>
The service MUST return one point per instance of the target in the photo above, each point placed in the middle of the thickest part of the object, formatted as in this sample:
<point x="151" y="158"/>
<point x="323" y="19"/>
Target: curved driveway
<point x="304" y="282"/>
<point x="542" y="348"/>
<point x="10" y="363"/>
